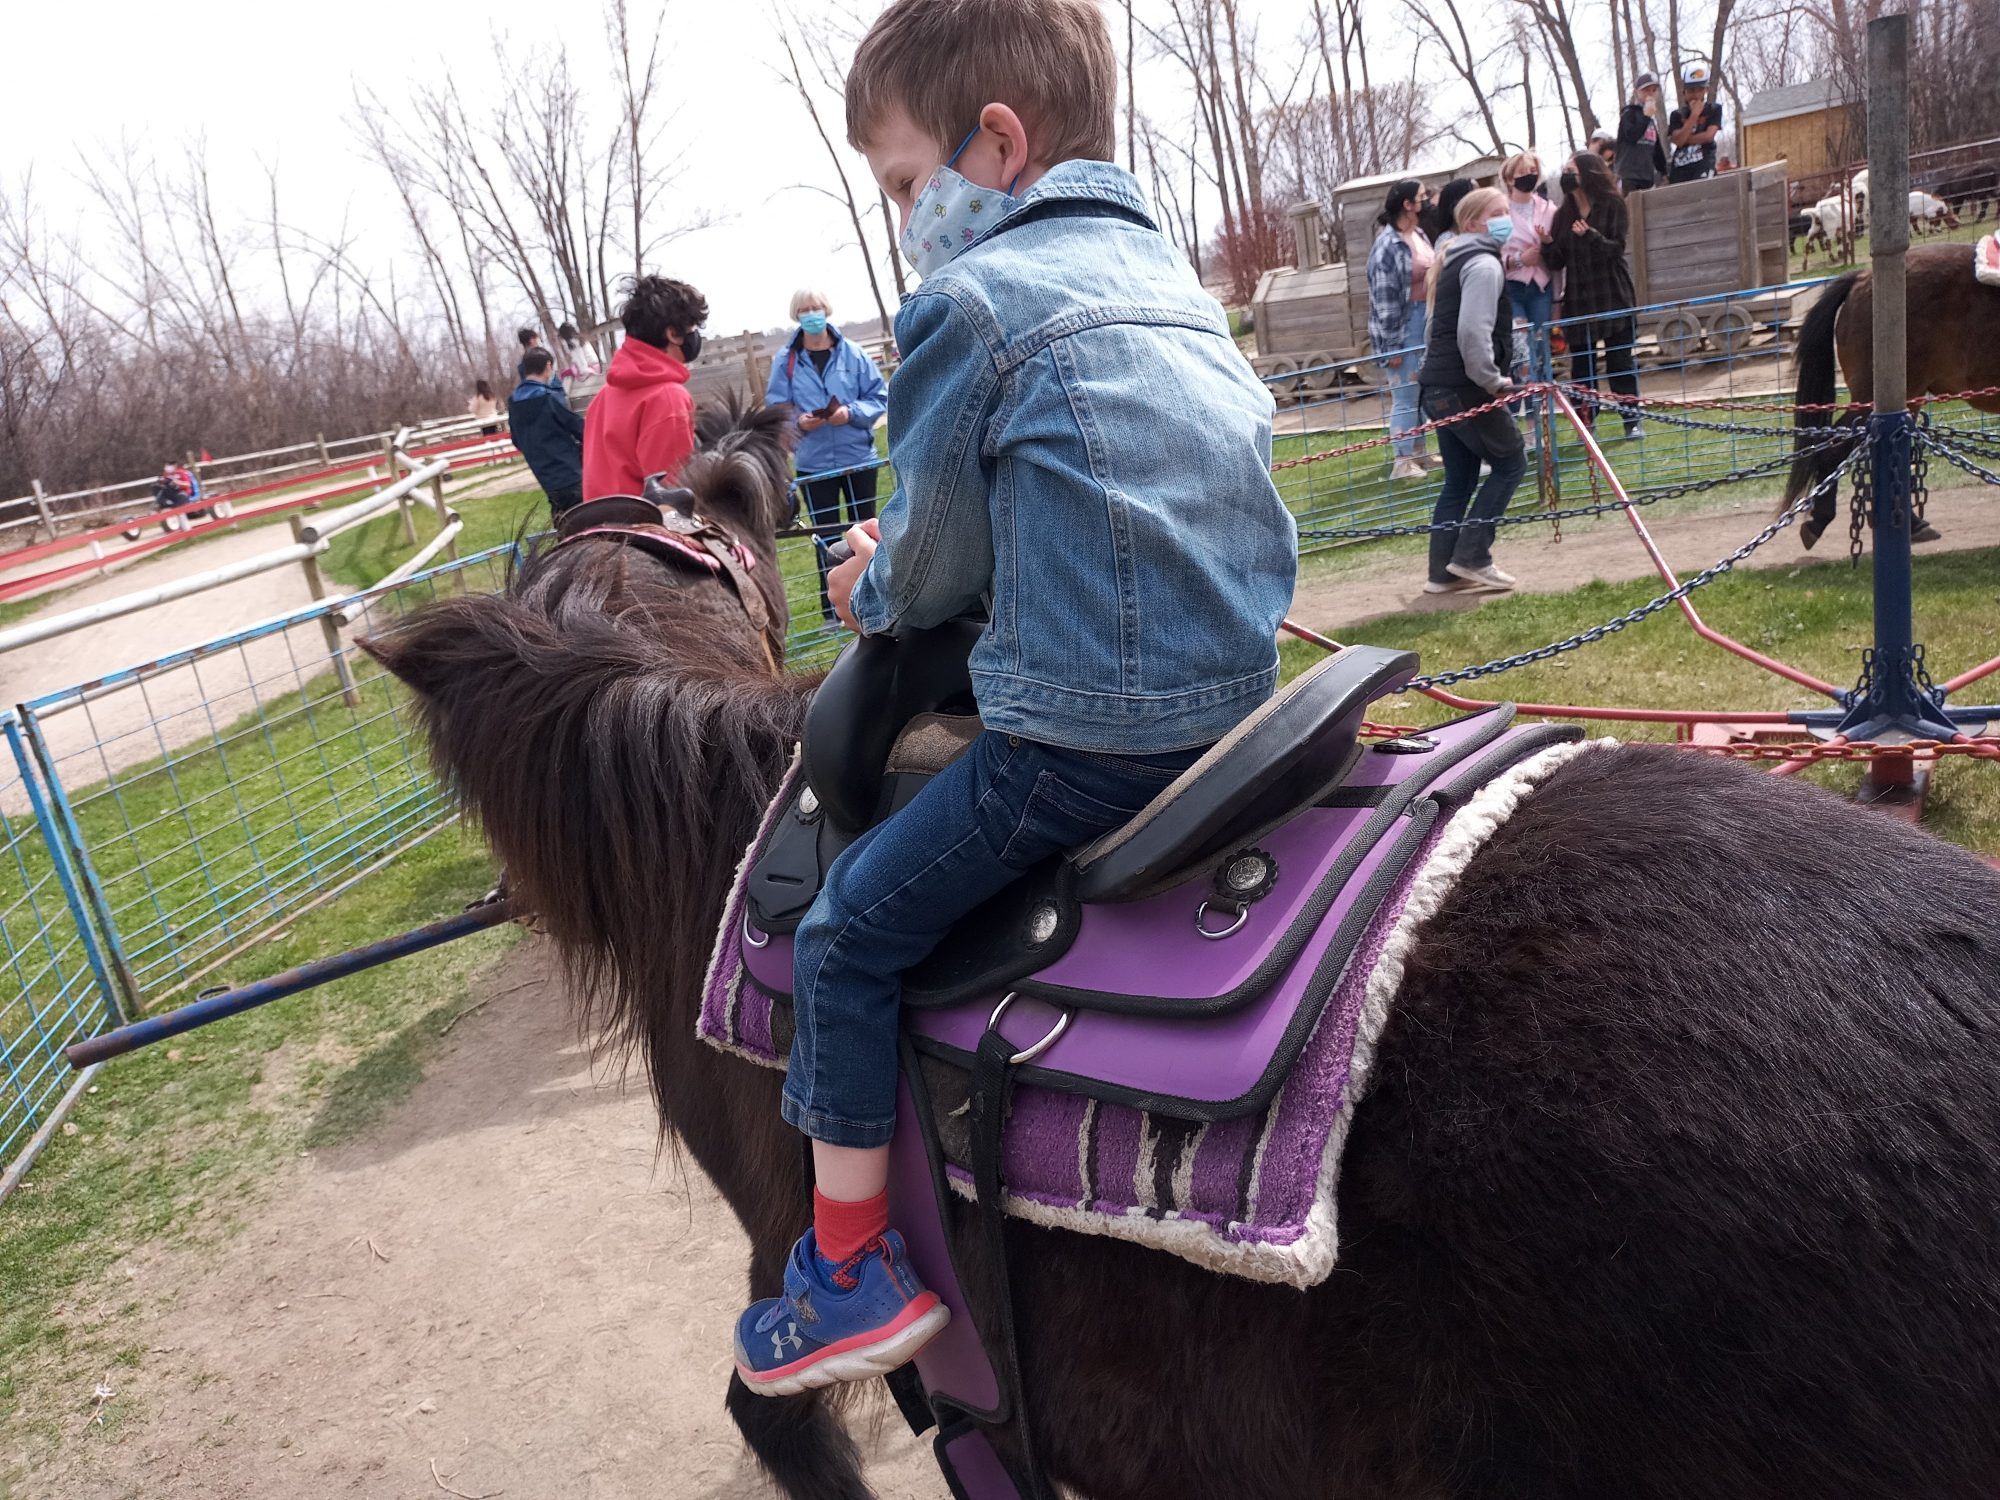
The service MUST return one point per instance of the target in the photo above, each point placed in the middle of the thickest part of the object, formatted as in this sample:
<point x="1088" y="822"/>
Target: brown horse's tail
<point x="608" y="763"/>
<point x="1819" y="375"/>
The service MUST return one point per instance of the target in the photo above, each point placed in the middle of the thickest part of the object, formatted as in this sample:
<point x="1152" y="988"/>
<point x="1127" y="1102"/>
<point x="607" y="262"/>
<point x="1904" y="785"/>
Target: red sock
<point x="843" y="1228"/>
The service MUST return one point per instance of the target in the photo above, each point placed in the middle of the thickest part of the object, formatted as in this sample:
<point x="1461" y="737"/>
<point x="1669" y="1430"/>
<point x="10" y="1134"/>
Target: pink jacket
<point x="1521" y="256"/>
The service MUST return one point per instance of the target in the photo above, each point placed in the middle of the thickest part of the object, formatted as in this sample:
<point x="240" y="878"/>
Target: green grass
<point x="175" y="1143"/>
<point x="367" y="554"/>
<point x="1815" y="616"/>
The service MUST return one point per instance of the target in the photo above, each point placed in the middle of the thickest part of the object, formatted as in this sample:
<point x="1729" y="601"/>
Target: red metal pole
<point x="1701" y="628"/>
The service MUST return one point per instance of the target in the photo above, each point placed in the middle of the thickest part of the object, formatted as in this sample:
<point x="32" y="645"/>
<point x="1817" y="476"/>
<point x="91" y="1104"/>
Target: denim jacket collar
<point x="1079" y="183"/>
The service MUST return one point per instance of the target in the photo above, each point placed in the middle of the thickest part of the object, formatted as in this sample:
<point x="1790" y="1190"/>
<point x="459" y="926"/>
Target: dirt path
<point x="1609" y="550"/>
<point x="544" y="1308"/>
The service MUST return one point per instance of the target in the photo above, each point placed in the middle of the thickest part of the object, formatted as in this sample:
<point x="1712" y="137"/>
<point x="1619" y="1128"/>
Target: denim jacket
<point x="1079" y="443"/>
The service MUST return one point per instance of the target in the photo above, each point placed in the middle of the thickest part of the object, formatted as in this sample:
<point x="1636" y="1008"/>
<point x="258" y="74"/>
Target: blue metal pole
<point x="320" y="971"/>
<point x="65" y="874"/>
<point x="1892" y="703"/>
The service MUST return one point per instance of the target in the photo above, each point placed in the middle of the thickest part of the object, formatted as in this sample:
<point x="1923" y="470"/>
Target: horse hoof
<point x="1811" y="532"/>
<point x="1925" y="532"/>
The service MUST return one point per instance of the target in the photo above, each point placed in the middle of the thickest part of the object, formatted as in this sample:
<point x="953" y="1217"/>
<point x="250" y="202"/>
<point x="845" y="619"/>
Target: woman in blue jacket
<point x="839" y="397"/>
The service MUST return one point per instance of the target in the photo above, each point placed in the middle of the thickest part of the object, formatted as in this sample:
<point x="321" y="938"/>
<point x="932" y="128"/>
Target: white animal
<point x="1858" y="190"/>
<point x="1830" y="225"/>
<point x="1932" y="214"/>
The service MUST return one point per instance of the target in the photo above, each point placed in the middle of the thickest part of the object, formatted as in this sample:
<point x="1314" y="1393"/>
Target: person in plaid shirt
<point x="1588" y="243"/>
<point x="1399" y="267"/>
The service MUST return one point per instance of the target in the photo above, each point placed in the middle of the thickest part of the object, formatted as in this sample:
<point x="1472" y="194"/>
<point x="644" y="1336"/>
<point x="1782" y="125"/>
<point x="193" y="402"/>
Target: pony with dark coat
<point x="1953" y="346"/>
<point x="1650" y="1198"/>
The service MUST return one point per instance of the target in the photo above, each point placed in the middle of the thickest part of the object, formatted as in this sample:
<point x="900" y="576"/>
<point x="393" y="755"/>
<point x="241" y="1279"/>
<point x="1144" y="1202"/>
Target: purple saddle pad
<point x="1185" y="1090"/>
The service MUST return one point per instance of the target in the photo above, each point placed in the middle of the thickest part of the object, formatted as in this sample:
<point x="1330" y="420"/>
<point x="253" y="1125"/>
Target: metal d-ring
<point x="752" y="936"/>
<point x="1242" y="916"/>
<point x="1062" y="1025"/>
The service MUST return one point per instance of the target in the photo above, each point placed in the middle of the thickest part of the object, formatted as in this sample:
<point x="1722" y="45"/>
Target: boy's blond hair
<point x="942" y="61"/>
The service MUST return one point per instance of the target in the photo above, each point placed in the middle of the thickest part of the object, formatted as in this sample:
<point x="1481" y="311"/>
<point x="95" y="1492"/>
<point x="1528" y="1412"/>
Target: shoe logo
<point x="789" y="1336"/>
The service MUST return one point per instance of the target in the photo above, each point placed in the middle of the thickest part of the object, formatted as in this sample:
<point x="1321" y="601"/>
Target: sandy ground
<point x="502" y="1278"/>
<point x="1610" y="551"/>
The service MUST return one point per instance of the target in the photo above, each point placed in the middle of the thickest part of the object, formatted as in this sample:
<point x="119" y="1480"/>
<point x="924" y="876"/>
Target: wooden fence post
<point x="392" y="472"/>
<point x="42" y="507"/>
<point x="329" y="627"/>
<point x="325" y="459"/>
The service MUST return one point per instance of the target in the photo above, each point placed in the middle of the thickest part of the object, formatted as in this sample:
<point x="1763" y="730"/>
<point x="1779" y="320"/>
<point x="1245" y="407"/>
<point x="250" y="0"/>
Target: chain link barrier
<point x="1651" y="495"/>
<point x="1652" y="607"/>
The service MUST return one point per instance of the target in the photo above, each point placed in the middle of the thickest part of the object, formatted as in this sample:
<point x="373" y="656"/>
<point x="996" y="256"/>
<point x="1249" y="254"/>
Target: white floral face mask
<point x="949" y="214"/>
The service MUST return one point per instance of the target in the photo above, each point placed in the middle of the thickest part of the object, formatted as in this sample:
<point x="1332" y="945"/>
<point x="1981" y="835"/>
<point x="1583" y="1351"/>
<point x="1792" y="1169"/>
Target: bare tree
<point x="794" y="39"/>
<point x="1555" y="20"/>
<point x="1470" y="62"/>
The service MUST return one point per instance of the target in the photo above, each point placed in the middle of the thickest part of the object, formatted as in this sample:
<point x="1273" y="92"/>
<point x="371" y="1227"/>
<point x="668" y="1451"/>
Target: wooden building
<point x="1807" y="126"/>
<point x="1314" y="312"/>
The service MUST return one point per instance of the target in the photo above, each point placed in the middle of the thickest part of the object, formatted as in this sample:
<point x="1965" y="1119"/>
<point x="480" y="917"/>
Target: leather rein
<point x="678" y="538"/>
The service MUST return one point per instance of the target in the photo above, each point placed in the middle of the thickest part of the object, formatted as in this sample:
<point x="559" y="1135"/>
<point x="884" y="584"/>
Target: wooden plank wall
<point x="1696" y="239"/>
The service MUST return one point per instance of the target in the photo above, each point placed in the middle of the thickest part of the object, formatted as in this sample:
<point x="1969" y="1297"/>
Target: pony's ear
<point x="430" y="649"/>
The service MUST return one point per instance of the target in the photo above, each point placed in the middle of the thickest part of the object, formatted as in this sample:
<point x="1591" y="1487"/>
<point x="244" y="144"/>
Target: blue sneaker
<point x="864" y="1317"/>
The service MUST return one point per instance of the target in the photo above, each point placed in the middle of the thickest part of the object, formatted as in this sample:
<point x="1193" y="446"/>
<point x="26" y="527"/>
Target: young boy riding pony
<point x="1083" y="453"/>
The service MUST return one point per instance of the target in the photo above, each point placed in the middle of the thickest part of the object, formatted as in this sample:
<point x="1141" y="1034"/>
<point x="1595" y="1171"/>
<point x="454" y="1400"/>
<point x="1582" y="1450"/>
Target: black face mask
<point x="691" y="345"/>
<point x="1569" y="182"/>
<point x="1526" y="182"/>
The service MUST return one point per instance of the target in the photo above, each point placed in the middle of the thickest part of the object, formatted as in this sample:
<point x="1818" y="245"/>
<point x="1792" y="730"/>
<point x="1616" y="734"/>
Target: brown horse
<point x="1649" y="1199"/>
<point x="1953" y="346"/>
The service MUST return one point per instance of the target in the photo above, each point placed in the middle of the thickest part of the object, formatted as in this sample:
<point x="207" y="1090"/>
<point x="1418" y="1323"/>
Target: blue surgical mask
<point x="1500" y="229"/>
<point x="949" y="214"/>
<point x="813" y="323"/>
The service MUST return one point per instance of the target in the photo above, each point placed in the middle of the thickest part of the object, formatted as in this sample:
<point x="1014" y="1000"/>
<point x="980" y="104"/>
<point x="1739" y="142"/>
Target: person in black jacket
<point x="1641" y="159"/>
<point x="1588" y="242"/>
<point x="548" y="433"/>
<point x="1468" y="348"/>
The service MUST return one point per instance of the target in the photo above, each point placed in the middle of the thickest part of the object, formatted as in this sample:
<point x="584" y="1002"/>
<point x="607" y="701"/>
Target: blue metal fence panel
<point x="56" y="984"/>
<point x="213" y="794"/>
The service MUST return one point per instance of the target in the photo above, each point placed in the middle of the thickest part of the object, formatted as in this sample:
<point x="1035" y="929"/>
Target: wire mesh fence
<point x="56" y="985"/>
<point x="164" y="819"/>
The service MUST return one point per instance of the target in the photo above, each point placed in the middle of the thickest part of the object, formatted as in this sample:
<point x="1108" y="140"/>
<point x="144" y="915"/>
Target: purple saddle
<point x="1158" y="1037"/>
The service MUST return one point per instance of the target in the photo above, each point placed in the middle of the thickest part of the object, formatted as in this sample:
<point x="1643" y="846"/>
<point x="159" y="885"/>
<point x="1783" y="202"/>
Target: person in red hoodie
<point x="642" y="421"/>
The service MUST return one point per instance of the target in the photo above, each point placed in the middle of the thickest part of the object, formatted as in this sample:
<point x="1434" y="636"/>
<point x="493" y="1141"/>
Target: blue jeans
<point x="1533" y="306"/>
<point x="1004" y="806"/>
<point x="1492" y="438"/>
<point x="1403" y="382"/>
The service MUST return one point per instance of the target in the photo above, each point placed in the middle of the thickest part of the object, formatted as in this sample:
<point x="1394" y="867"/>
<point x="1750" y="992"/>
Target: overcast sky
<point x="277" y="82"/>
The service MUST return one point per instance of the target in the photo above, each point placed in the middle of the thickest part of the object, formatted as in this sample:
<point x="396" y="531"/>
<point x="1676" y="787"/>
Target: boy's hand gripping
<point x="850" y="555"/>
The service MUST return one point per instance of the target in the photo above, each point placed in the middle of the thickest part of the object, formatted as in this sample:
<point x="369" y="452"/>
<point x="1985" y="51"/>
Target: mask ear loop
<point x="970" y="137"/>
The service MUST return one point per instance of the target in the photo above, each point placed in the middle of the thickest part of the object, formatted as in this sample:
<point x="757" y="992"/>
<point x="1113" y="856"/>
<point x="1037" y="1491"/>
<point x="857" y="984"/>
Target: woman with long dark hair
<point x="1587" y="242"/>
<point x="1399" y="268"/>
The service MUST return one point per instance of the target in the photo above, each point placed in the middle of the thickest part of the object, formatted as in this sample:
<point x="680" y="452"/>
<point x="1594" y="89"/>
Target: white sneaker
<point x="1488" y="577"/>
<point x="1449" y="586"/>
<point x="1431" y="462"/>
<point x="1406" y="468"/>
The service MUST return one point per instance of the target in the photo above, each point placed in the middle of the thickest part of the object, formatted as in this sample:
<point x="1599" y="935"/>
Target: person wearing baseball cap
<point x="1693" y="127"/>
<point x="1640" y="159"/>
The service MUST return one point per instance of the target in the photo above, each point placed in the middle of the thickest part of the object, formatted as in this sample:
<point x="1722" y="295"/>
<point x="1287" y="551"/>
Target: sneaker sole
<point x="1491" y="586"/>
<point x="864" y="1363"/>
